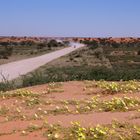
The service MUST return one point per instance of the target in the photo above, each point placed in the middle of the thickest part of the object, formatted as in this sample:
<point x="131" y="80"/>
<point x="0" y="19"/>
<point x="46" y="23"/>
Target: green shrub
<point x="6" y="85"/>
<point x="78" y="73"/>
<point x="35" y="78"/>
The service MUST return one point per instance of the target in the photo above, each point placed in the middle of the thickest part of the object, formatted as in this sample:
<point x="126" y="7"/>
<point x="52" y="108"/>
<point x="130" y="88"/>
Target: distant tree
<point x="91" y="44"/>
<point x="22" y="43"/>
<point x="75" y="39"/>
<point x="30" y="43"/>
<point x="102" y="41"/>
<point x="41" y="45"/>
<point x="9" y="50"/>
<point x="115" y="44"/>
<point x="66" y="43"/>
<point x="6" y="52"/>
<point x="52" y="43"/>
<point x="4" y="43"/>
<point x="139" y="52"/>
<point x="81" y="41"/>
<point x="60" y="44"/>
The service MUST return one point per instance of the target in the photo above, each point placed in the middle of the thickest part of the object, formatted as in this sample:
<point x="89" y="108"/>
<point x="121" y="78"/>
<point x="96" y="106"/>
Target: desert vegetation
<point x="99" y="101"/>
<point x="107" y="59"/>
<point x="12" y="48"/>
<point x="102" y="58"/>
<point x="56" y="111"/>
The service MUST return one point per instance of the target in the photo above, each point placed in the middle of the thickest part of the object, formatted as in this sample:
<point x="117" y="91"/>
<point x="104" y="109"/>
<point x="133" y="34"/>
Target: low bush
<point x="7" y="85"/>
<point x="35" y="78"/>
<point x="78" y="73"/>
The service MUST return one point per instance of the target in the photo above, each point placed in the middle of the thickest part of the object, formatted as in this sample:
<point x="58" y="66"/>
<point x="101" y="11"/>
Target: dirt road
<point x="13" y="70"/>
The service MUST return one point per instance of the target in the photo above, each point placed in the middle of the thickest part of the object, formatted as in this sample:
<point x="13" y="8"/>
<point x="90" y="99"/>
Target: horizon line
<point x="70" y="36"/>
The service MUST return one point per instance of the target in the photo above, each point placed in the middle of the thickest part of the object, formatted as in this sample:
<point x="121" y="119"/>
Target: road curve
<point x="15" y="69"/>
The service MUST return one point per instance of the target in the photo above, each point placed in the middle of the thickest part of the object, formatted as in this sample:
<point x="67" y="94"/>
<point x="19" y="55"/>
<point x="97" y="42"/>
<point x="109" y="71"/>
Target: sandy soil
<point x="13" y="127"/>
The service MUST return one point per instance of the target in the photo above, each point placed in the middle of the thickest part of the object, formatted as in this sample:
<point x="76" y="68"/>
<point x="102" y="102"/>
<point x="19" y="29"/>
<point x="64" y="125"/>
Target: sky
<point x="70" y="18"/>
